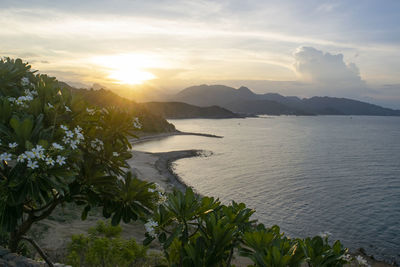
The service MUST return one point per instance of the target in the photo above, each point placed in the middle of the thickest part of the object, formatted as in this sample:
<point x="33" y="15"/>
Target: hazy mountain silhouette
<point x="179" y="110"/>
<point x="243" y="100"/>
<point x="152" y="111"/>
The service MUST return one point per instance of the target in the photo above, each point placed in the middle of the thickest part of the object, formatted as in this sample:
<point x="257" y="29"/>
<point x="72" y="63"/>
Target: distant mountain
<point x="178" y="110"/>
<point x="264" y="107"/>
<point x="243" y="100"/>
<point x="209" y="95"/>
<point x="152" y="114"/>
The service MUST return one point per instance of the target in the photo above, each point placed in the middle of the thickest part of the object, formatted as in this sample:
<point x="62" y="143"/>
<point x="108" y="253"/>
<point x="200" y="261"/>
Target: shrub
<point x="103" y="246"/>
<point x="200" y="231"/>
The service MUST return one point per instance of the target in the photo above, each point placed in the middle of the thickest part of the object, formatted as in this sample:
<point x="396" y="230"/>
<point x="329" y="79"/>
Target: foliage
<point x="200" y="231"/>
<point x="55" y="148"/>
<point x="149" y="118"/>
<point x="319" y="253"/>
<point x="103" y="246"/>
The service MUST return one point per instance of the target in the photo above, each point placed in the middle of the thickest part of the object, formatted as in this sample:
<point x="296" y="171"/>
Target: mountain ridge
<point x="243" y="100"/>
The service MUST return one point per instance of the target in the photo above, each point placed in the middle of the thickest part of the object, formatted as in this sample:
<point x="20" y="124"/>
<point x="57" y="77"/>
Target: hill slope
<point x="103" y="98"/>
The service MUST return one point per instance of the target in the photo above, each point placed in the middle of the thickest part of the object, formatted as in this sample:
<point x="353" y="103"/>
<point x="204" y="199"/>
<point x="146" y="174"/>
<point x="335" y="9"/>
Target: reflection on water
<point x="307" y="174"/>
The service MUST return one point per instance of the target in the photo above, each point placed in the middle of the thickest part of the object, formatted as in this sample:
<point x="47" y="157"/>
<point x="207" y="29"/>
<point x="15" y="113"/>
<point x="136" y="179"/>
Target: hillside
<point x="243" y="100"/>
<point x="178" y="110"/>
<point x="151" y="122"/>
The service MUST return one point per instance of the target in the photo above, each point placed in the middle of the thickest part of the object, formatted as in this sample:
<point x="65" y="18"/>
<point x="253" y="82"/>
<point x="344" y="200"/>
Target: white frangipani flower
<point x="30" y="155"/>
<point x="325" y="234"/>
<point x="66" y="140"/>
<point x="24" y="81"/>
<point x="69" y="134"/>
<point x="32" y="164"/>
<point x="38" y="152"/>
<point x="57" y="146"/>
<point x="12" y="145"/>
<point x="50" y="161"/>
<point x="346" y="257"/>
<point x="5" y="156"/>
<point x="115" y="154"/>
<point x="91" y="111"/>
<point x="136" y="123"/>
<point x="361" y="261"/>
<point x="21" y="158"/>
<point x="97" y="144"/>
<point x="60" y="160"/>
<point x="73" y="144"/>
<point x="65" y="128"/>
<point x="150" y="227"/>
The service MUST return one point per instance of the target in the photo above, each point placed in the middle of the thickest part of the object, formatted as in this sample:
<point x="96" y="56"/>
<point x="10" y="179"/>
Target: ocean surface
<point x="309" y="175"/>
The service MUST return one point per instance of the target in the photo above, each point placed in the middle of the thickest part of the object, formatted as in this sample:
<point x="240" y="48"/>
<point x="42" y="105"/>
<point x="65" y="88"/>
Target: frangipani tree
<point x="56" y="149"/>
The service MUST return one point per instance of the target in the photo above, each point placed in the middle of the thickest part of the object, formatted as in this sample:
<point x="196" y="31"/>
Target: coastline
<point x="155" y="136"/>
<point x="162" y="164"/>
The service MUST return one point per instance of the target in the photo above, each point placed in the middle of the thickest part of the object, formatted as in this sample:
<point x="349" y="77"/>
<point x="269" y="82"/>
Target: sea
<point x="308" y="174"/>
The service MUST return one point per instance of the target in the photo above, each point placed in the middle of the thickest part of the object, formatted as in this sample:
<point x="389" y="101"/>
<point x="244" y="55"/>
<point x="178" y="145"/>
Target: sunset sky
<point x="343" y="48"/>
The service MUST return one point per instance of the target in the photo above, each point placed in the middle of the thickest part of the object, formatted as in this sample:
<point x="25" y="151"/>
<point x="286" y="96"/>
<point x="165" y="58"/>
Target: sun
<point x="128" y="69"/>
<point x="130" y="76"/>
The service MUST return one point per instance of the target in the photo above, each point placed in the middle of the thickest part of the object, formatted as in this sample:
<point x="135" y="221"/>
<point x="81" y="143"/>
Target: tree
<point x="54" y="149"/>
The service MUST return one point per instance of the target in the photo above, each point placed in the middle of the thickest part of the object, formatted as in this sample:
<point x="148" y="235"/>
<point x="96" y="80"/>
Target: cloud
<point x="326" y="69"/>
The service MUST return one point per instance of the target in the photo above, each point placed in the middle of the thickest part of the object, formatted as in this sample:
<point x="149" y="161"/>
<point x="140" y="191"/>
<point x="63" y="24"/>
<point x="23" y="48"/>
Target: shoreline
<point x="162" y="163"/>
<point x="165" y="161"/>
<point x="155" y="136"/>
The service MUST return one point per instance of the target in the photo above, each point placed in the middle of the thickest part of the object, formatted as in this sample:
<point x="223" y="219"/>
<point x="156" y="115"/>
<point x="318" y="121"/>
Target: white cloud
<point x="326" y="69"/>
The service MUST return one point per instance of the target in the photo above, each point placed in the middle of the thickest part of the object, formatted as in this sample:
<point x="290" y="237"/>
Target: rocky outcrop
<point x="8" y="259"/>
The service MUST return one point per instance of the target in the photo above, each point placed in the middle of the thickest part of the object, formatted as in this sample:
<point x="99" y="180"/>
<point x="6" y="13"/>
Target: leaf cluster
<point x="200" y="231"/>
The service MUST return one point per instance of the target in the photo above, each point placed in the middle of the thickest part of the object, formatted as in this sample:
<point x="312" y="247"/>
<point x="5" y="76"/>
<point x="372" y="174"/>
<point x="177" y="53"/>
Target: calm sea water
<point x="307" y="174"/>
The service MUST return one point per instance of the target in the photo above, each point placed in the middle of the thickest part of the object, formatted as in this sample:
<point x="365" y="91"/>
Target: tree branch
<point x="48" y="211"/>
<point x="39" y="250"/>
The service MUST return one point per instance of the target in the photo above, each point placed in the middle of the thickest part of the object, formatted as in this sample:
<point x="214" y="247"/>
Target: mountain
<point x="243" y="100"/>
<point x="209" y="95"/>
<point x="178" y="110"/>
<point x="264" y="107"/>
<point x="151" y="114"/>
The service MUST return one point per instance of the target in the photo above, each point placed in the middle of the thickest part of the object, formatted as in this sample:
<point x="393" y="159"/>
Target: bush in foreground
<point x="200" y="231"/>
<point x="54" y="149"/>
<point x="103" y="246"/>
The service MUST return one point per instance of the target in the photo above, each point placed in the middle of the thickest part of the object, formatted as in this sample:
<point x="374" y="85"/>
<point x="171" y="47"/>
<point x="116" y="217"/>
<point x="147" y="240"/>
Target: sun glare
<point x="128" y="69"/>
<point x="130" y="76"/>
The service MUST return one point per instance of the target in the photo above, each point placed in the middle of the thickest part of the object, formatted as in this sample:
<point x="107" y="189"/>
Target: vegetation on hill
<point x="104" y="246"/>
<point x="151" y="121"/>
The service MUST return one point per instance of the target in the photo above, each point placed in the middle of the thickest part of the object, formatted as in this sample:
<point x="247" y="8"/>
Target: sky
<point x="348" y="48"/>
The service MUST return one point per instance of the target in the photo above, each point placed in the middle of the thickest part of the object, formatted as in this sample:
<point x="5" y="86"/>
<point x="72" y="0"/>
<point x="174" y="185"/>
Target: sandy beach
<point x="54" y="233"/>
